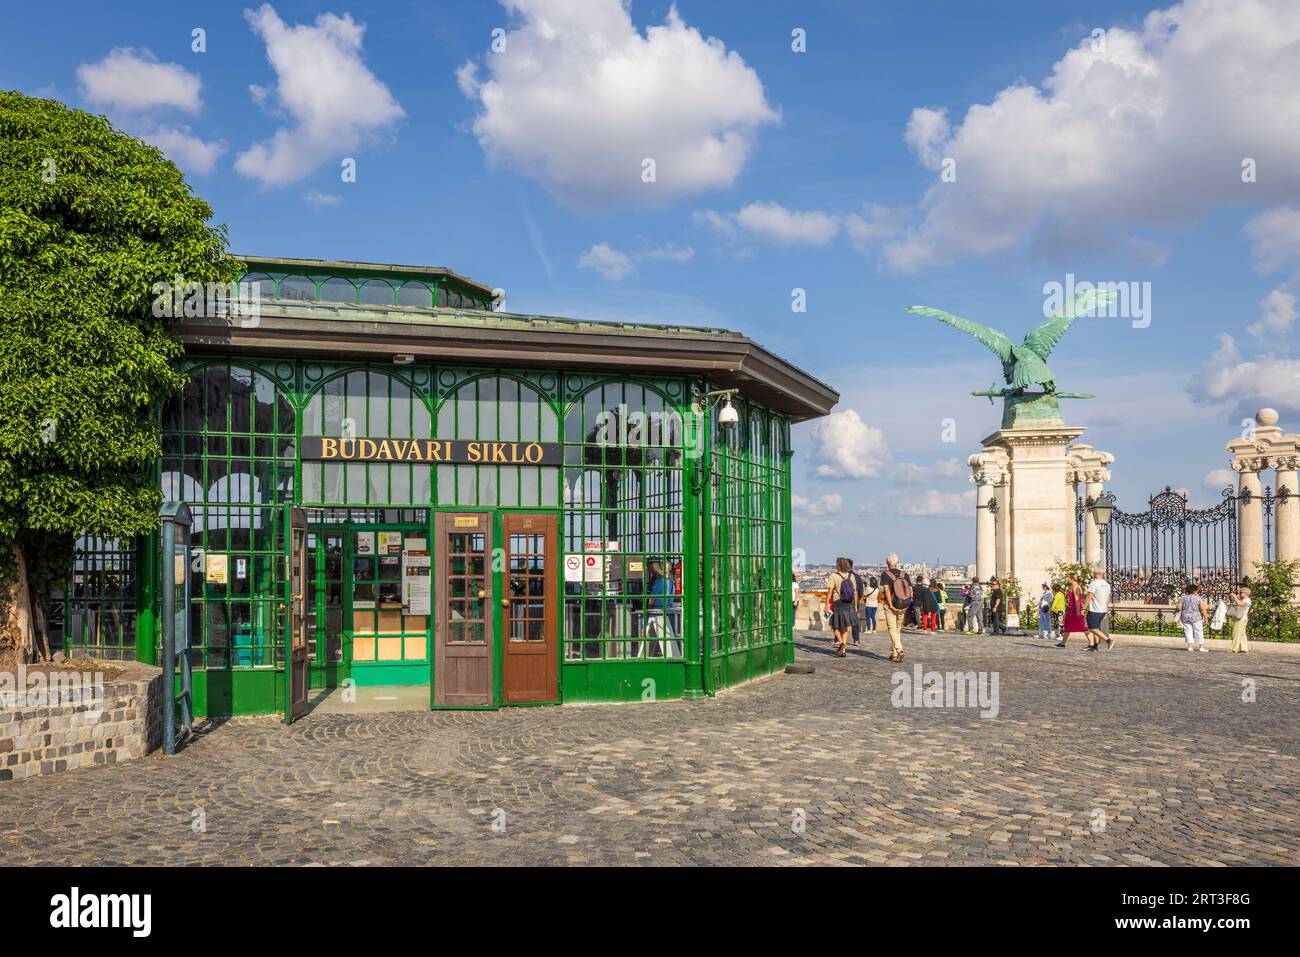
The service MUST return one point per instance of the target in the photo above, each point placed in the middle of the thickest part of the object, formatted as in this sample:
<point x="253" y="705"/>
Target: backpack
<point x="900" y="590"/>
<point x="848" y="588"/>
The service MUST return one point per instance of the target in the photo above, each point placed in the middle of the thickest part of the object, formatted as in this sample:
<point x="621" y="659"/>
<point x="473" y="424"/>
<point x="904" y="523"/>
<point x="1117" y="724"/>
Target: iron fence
<point x="1151" y="555"/>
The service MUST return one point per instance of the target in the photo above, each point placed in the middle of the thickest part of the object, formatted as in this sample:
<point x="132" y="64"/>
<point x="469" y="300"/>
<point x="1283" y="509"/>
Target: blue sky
<point x="1100" y="139"/>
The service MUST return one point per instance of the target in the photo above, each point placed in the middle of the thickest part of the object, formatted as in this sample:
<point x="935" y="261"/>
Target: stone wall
<point x="125" y="724"/>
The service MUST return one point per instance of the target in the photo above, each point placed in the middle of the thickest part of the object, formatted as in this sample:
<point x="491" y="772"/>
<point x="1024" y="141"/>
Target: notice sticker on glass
<point x="216" y="569"/>
<point x="241" y="568"/>
<point x="573" y="568"/>
<point x="365" y="543"/>
<point x="416" y="591"/>
<point x="390" y="543"/>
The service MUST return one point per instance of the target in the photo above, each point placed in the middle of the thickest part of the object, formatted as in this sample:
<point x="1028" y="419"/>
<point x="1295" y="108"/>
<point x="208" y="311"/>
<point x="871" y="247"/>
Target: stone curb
<point x="1145" y="641"/>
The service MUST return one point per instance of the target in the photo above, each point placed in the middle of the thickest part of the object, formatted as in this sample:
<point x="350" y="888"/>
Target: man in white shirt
<point x="1098" y="608"/>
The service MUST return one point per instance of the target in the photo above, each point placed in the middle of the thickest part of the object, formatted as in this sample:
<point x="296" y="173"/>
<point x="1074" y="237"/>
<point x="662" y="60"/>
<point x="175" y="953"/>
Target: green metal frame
<point x="730" y="512"/>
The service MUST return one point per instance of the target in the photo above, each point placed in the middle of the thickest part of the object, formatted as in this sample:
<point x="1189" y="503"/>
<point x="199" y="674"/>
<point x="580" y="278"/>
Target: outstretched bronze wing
<point x="995" y="340"/>
<point x="1042" y="339"/>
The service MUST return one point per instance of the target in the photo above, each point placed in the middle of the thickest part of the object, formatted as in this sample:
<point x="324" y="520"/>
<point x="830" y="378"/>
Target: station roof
<point x="465" y="334"/>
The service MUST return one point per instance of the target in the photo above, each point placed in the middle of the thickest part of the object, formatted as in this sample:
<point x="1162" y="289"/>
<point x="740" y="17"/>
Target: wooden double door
<point x="495" y="605"/>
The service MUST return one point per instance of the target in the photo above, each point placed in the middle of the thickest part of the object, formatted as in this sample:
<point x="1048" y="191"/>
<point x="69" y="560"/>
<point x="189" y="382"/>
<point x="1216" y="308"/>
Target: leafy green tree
<point x="90" y="220"/>
<point x="1062" y="570"/>
<point x="1273" y="616"/>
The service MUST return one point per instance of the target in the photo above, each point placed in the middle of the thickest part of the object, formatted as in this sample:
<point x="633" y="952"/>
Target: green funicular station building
<point x="393" y="484"/>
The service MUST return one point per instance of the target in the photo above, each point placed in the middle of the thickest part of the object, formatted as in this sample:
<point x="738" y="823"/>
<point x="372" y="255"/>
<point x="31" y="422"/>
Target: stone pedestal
<point x="1036" y="519"/>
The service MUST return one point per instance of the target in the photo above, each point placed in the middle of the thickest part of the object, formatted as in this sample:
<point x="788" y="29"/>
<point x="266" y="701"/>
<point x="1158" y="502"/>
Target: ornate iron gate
<point x="1150" y="555"/>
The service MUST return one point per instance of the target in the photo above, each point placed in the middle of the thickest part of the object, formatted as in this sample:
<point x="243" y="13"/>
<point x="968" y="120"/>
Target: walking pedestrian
<point x="1045" y="612"/>
<point x="842" y="603"/>
<point x="861" y="586"/>
<point x="1058" y="609"/>
<point x="870" y="603"/>
<point x="1098" y="609"/>
<point x="930" y="609"/>
<point x="896" y="596"/>
<point x="975" y="611"/>
<point x="997" y="607"/>
<point x="1075" y="622"/>
<point x="941" y="599"/>
<point x="1192" y="612"/>
<point x="964" y="614"/>
<point x="1238" y="612"/>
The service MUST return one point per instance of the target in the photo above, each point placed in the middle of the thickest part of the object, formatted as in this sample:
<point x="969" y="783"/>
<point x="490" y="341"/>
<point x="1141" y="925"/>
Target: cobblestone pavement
<point x="1134" y="756"/>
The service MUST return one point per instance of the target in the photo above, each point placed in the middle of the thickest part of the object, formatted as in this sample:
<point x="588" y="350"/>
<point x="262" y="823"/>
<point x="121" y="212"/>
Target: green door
<point x="328" y="617"/>
<point x="389" y="639"/>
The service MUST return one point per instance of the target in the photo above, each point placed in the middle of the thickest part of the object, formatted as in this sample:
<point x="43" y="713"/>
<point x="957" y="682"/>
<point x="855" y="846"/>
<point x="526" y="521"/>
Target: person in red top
<point x="1075" y="622"/>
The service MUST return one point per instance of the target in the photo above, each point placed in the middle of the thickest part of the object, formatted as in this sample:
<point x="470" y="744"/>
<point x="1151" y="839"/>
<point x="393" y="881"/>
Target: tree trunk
<point x="20" y="625"/>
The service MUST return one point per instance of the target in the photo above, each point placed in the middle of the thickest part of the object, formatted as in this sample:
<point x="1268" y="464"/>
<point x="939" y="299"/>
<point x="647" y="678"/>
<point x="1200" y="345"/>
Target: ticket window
<point x="380" y="632"/>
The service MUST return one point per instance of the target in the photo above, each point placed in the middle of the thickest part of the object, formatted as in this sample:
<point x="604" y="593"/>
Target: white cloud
<point x="188" y="151"/>
<point x="874" y="225"/>
<point x="775" y="222"/>
<point x="1274" y="238"/>
<point x="842" y="446"/>
<point x="135" y="82"/>
<point x="1116" y="139"/>
<point x="718" y="222"/>
<point x="927" y="129"/>
<point x="615" y="265"/>
<point x="333" y="99"/>
<point x="1278" y="310"/>
<point x="607" y="261"/>
<point x="912" y="472"/>
<point x="668" y="252"/>
<point x="825" y="505"/>
<point x="579" y="97"/>
<point x="790" y="227"/>
<point x="932" y="502"/>
<point x="137" y="91"/>
<point x="314" y="197"/>
<point x="1220" y="477"/>
<point x="1244" y="386"/>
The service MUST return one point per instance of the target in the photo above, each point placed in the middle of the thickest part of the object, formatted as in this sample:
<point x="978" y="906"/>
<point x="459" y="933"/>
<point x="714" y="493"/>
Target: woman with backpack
<point x="842" y="603"/>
